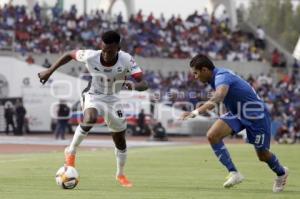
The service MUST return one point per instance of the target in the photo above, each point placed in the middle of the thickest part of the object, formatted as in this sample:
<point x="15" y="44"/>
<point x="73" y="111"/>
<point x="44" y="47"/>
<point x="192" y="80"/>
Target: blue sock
<point x="275" y="165"/>
<point x="223" y="156"/>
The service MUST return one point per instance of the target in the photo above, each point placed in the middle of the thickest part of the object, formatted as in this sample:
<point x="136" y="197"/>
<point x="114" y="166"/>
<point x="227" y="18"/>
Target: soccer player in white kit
<point x="109" y="68"/>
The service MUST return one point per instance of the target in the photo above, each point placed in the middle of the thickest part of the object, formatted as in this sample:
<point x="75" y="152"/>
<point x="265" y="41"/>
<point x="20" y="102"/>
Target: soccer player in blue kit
<point x="245" y="111"/>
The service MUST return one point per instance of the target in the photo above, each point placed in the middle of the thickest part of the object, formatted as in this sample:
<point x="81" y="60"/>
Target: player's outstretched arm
<point x="218" y="97"/>
<point x="139" y="84"/>
<point x="44" y="75"/>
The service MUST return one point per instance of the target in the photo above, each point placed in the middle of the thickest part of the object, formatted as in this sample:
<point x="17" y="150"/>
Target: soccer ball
<point x="67" y="177"/>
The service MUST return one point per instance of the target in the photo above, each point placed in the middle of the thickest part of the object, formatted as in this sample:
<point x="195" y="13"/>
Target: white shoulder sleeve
<point x="83" y="55"/>
<point x="131" y="64"/>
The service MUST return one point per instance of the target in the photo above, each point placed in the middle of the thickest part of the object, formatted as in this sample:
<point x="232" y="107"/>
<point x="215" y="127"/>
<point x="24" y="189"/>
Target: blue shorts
<point x="258" y="131"/>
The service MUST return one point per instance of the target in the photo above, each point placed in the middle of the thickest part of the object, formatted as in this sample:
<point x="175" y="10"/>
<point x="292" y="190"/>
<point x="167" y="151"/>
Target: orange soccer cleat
<point x="124" y="181"/>
<point x="69" y="158"/>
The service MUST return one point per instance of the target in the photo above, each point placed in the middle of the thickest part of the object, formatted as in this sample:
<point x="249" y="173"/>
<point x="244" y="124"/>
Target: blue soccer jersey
<point x="246" y="109"/>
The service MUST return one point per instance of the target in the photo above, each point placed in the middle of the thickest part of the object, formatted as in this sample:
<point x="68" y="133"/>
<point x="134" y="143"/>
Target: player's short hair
<point x="111" y="37"/>
<point x="200" y="61"/>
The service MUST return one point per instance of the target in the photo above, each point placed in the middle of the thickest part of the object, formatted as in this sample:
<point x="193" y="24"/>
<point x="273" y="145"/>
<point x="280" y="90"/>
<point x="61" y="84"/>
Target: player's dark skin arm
<point x="218" y="97"/>
<point x="44" y="75"/>
<point x="138" y="85"/>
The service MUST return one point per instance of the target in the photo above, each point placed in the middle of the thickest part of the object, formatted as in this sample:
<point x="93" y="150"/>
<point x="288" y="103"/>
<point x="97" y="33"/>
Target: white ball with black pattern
<point x="67" y="177"/>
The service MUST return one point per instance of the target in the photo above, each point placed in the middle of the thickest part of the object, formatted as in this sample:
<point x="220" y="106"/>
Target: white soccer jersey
<point x="107" y="80"/>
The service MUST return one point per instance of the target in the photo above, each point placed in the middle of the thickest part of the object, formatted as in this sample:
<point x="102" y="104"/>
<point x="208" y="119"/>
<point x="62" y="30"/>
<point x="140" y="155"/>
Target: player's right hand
<point x="187" y="115"/>
<point x="44" y="76"/>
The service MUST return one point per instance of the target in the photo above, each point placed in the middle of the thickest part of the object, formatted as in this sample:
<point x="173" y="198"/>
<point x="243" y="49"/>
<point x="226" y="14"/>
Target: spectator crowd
<point x="56" y="31"/>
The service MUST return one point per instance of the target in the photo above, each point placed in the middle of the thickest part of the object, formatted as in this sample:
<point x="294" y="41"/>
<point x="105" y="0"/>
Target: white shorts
<point x="111" y="110"/>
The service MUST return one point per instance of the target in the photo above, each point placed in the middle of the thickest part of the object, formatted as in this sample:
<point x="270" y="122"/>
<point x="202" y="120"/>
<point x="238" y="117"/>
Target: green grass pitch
<point x="157" y="173"/>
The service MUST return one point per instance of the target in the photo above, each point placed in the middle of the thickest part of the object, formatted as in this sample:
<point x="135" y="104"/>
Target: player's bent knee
<point x="119" y="140"/>
<point x="212" y="138"/>
<point x="263" y="156"/>
<point x="90" y="119"/>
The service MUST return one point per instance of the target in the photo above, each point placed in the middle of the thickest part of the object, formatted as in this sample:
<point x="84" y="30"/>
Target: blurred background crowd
<point x="161" y="37"/>
<point x="146" y="36"/>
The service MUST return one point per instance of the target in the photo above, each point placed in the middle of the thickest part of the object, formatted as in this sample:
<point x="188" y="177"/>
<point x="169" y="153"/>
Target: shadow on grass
<point x="223" y="190"/>
<point x="249" y="190"/>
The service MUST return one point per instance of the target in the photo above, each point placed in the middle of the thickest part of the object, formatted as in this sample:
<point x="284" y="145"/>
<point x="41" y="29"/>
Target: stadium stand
<point x="151" y="37"/>
<point x="144" y="36"/>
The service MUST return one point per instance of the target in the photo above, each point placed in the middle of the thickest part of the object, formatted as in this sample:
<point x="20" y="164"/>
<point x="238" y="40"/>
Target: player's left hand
<point x="187" y="115"/>
<point x="44" y="76"/>
<point x="128" y="85"/>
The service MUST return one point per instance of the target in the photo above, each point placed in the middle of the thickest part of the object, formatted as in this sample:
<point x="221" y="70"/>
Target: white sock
<point x="121" y="156"/>
<point x="79" y="135"/>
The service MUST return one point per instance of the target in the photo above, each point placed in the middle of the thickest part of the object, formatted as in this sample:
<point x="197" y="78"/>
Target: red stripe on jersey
<point x="73" y="54"/>
<point x="138" y="75"/>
